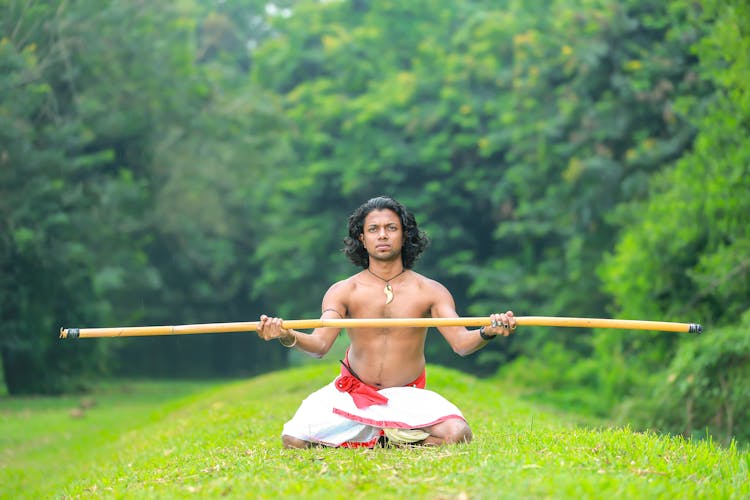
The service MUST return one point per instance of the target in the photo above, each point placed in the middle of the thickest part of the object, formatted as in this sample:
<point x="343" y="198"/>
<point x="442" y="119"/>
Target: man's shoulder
<point x="346" y="283"/>
<point x="425" y="279"/>
<point x="428" y="283"/>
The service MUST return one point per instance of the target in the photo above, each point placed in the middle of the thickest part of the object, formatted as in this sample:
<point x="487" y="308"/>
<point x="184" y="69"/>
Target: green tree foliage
<point x="684" y="251"/>
<point x="690" y="240"/>
<point x="127" y="170"/>
<point x="704" y="390"/>
<point x="511" y="130"/>
<point x="65" y="192"/>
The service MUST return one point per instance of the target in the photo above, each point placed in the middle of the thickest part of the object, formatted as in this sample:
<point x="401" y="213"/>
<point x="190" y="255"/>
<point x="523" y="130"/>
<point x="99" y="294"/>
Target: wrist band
<point x="481" y="334"/>
<point x="289" y="346"/>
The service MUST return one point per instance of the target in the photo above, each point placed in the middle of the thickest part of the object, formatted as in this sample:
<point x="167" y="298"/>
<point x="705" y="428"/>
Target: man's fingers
<point x="503" y="323"/>
<point x="511" y="320"/>
<point x="269" y="328"/>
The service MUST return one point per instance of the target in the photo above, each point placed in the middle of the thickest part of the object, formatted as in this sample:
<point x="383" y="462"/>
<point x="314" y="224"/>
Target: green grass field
<point x="198" y="440"/>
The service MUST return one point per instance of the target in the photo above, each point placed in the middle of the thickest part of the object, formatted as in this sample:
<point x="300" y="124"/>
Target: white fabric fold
<point x="331" y="418"/>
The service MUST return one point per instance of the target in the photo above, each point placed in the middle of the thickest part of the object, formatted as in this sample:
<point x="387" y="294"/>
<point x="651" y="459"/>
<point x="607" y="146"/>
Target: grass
<point x="198" y="440"/>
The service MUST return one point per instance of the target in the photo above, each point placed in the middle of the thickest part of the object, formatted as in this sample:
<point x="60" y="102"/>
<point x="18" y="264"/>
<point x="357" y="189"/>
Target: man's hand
<point x="502" y="324"/>
<point x="270" y="328"/>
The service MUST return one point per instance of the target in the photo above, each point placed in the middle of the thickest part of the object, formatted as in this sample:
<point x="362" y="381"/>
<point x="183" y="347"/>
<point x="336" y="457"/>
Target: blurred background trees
<point x="195" y="161"/>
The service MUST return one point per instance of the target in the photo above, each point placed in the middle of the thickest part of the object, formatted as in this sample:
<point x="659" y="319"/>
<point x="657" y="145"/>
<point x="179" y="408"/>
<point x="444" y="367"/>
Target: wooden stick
<point x="303" y="324"/>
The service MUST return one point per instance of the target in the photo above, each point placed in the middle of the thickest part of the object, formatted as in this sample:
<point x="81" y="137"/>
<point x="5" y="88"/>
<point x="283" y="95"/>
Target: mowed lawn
<point x="199" y="440"/>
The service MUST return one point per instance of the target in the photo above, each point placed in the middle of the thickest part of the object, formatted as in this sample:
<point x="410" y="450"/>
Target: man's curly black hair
<point x="415" y="240"/>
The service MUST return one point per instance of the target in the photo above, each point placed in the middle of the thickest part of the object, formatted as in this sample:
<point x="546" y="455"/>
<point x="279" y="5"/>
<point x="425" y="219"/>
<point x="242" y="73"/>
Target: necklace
<point x="388" y="290"/>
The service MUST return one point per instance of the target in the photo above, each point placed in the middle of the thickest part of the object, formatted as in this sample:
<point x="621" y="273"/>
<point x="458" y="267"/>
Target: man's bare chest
<point x="374" y="301"/>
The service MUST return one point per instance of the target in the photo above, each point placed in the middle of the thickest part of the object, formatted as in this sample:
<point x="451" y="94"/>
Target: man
<point x="380" y="393"/>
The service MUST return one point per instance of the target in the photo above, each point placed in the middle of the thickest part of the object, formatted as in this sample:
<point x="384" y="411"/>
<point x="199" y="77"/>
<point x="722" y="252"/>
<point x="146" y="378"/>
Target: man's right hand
<point x="270" y="328"/>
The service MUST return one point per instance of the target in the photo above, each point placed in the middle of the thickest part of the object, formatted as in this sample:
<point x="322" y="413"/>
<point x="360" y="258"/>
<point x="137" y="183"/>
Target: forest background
<point x="195" y="161"/>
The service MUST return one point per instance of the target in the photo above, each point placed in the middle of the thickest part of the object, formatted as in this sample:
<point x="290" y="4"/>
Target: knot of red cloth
<point x="362" y="394"/>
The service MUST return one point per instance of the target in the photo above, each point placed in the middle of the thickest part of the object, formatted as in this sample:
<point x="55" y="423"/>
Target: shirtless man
<point x="385" y="241"/>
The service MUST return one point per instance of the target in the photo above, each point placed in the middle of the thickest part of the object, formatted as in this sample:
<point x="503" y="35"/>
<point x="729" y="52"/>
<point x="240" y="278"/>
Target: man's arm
<point x="319" y="341"/>
<point x="464" y="341"/>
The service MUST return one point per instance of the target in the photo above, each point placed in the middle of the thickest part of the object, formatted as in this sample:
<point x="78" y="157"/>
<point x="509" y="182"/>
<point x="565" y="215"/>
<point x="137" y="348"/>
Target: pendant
<point x="388" y="291"/>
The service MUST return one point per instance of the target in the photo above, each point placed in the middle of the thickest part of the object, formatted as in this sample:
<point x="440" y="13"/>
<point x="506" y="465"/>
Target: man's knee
<point x="458" y="431"/>
<point x="463" y="432"/>
<point x="293" y="442"/>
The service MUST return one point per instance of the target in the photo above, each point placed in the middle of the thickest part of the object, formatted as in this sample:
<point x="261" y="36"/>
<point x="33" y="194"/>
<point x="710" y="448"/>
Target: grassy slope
<point x="185" y="440"/>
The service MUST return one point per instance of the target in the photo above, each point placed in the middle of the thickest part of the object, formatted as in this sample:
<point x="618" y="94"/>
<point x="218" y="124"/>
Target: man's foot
<point x="293" y="442"/>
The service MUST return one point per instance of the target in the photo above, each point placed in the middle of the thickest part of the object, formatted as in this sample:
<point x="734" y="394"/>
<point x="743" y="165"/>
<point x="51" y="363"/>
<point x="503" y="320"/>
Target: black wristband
<point x="484" y="336"/>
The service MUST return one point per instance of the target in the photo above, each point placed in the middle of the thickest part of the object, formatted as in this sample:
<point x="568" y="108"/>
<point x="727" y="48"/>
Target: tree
<point x="108" y="114"/>
<point x="684" y="251"/>
<point x="57" y="185"/>
<point x="512" y="134"/>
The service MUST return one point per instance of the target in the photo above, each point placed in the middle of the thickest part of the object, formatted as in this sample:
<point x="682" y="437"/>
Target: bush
<point x="706" y="389"/>
<point x="591" y="382"/>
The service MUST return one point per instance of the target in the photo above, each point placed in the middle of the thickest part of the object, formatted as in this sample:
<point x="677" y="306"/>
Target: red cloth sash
<point x="365" y="395"/>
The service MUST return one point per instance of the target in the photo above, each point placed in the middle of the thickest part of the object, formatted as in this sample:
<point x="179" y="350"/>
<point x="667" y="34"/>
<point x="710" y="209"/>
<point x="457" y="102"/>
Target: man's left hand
<point x="501" y="324"/>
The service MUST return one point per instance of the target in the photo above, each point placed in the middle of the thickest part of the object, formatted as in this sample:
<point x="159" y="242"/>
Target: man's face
<point x="382" y="235"/>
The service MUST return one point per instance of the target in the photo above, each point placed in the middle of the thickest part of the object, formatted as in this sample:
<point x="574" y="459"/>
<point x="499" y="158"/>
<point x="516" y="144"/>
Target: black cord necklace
<point x="388" y="290"/>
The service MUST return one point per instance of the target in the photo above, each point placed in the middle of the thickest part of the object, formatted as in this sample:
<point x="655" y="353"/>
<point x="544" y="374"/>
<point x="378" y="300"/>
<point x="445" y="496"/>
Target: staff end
<point x="69" y="333"/>
<point x="695" y="328"/>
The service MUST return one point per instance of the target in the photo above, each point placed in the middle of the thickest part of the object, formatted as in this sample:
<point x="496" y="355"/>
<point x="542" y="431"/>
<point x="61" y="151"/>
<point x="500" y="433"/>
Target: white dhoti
<point x="331" y="418"/>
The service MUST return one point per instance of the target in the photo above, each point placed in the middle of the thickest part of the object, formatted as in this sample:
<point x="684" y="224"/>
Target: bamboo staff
<point x="302" y="324"/>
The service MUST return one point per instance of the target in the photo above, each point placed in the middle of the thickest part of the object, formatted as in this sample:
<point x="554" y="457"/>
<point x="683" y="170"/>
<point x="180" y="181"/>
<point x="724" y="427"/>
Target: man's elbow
<point x="463" y="352"/>
<point x="320" y="352"/>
